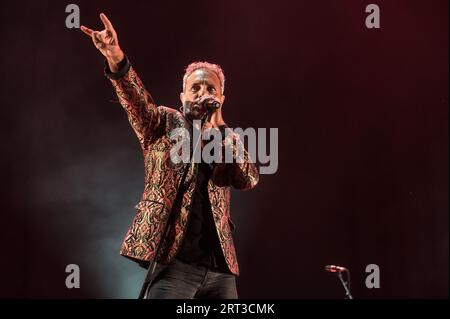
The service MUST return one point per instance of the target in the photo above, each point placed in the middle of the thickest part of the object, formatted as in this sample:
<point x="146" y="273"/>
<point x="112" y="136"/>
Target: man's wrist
<point x="114" y="62"/>
<point x="122" y="69"/>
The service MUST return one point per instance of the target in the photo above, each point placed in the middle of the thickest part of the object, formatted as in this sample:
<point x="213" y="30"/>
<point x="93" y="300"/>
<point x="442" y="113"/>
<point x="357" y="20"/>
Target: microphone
<point x="211" y="104"/>
<point x="333" y="268"/>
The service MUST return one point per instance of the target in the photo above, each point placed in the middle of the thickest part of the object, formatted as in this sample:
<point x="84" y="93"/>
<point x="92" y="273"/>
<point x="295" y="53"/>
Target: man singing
<point x="195" y="254"/>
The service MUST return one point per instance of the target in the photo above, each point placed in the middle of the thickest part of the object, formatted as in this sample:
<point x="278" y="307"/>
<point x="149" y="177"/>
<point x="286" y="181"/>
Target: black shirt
<point x="201" y="244"/>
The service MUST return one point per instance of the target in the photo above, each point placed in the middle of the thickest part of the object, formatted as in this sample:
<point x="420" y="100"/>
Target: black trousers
<point x="181" y="280"/>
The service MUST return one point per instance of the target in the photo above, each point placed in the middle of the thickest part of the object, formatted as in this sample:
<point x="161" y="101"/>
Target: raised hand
<point x="106" y="42"/>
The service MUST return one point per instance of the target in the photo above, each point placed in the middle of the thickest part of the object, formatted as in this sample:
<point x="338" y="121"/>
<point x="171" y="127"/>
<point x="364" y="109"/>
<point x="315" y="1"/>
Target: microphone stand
<point x="151" y="269"/>
<point x="345" y="284"/>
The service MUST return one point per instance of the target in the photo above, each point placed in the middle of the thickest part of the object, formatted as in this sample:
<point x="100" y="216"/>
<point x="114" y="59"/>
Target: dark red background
<point x="363" y="142"/>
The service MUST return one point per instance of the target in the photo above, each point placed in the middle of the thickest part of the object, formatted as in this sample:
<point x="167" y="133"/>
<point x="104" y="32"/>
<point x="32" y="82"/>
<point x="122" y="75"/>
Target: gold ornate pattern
<point x="152" y="125"/>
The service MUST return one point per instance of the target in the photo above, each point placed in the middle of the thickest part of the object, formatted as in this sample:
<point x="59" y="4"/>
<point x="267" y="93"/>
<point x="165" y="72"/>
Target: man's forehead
<point x="201" y="75"/>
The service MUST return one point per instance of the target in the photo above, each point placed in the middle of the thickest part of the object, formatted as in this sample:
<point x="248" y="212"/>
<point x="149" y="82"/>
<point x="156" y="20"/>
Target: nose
<point x="202" y="91"/>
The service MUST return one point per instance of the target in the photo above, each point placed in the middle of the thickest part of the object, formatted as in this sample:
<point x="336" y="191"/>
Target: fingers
<point x="96" y="40"/>
<point x="106" y="22"/>
<point x="100" y="43"/>
<point x="104" y="40"/>
<point x="207" y="126"/>
<point x="86" y="30"/>
<point x="109" y="37"/>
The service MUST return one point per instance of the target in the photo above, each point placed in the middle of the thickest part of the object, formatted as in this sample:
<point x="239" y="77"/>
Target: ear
<point x="182" y="98"/>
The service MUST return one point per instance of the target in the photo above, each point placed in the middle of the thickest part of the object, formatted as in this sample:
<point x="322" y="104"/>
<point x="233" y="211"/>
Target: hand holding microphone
<point x="212" y="105"/>
<point x="208" y="108"/>
<point x="209" y="103"/>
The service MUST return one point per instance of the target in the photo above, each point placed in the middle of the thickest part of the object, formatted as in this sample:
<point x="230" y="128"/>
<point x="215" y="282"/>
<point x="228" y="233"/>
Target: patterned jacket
<point x="152" y="125"/>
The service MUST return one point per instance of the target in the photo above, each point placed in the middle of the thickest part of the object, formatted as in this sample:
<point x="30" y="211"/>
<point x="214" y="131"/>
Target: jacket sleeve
<point x="242" y="172"/>
<point x="143" y="114"/>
